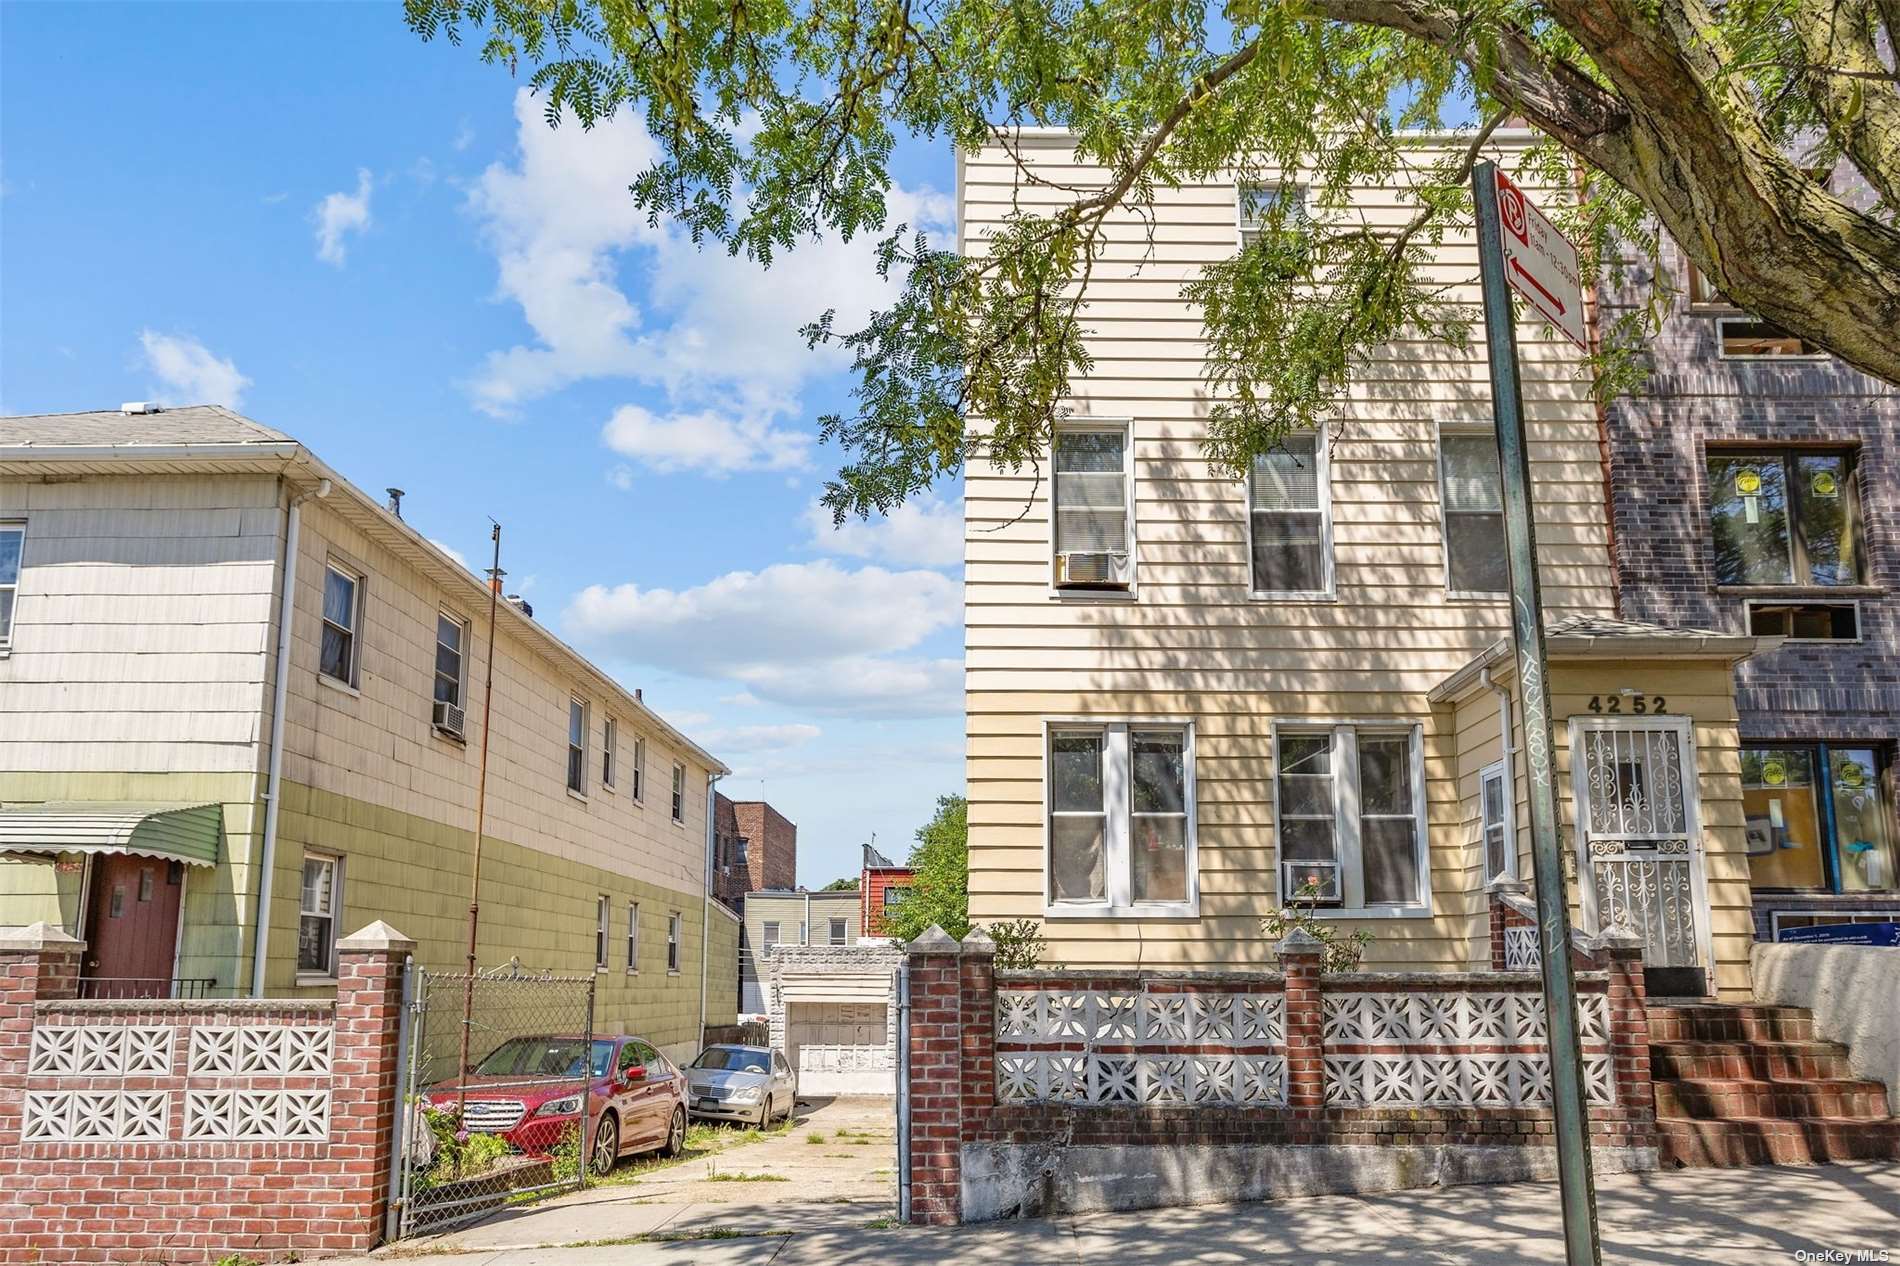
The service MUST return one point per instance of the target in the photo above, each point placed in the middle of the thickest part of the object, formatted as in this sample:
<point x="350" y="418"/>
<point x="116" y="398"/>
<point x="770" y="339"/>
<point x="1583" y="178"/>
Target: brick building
<point x="1756" y="489"/>
<point x="754" y="847"/>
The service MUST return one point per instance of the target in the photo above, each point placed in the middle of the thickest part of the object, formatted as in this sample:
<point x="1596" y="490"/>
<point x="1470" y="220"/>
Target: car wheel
<point x="765" y="1114"/>
<point x="675" y="1134"/>
<point x="606" y="1146"/>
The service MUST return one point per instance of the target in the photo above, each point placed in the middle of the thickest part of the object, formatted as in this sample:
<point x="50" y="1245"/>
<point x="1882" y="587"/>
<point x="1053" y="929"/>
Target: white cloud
<point x="451" y="551"/>
<point x="740" y="699"/>
<point x="746" y="739"/>
<point x="189" y="372"/>
<point x="717" y="334"/>
<point x="810" y="634"/>
<point x="927" y="532"/>
<point x="340" y="214"/>
<point x="706" y="440"/>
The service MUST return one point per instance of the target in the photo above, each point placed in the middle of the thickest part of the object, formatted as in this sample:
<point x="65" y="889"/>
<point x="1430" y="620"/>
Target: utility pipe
<point x="903" y="1093"/>
<point x="280" y="691"/>
<point x="705" y="910"/>
<point x="1505" y="732"/>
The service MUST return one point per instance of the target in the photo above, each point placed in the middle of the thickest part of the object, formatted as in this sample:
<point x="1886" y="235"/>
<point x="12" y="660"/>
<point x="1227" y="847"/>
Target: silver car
<point x="741" y="1083"/>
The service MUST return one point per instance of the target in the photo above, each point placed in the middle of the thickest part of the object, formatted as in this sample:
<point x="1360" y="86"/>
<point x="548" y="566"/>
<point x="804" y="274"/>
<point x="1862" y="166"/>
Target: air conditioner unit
<point x="448" y="718"/>
<point x="1091" y="568"/>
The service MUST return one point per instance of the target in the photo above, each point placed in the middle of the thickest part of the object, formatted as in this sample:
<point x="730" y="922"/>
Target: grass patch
<point x="740" y="1175"/>
<point x="879" y="1224"/>
<point x="816" y="1136"/>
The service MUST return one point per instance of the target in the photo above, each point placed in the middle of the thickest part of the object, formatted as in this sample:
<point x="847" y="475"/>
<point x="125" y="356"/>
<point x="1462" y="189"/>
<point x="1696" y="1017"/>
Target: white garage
<point x="833" y="1012"/>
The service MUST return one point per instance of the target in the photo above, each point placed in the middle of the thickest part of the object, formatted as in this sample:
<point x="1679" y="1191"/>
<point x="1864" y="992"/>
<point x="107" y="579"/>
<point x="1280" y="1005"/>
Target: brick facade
<point x="958" y="1119"/>
<point x="1659" y="438"/>
<point x="167" y="1188"/>
<point x="770" y="842"/>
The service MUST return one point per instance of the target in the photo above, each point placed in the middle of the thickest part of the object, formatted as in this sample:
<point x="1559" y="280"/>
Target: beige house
<point x="1189" y="695"/>
<point x="229" y="679"/>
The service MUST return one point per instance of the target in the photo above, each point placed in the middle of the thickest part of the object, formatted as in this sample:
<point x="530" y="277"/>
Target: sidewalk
<point x="1740" y="1216"/>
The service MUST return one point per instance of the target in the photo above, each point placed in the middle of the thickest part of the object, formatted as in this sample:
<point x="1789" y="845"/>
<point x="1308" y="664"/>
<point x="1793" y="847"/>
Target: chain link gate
<point x="517" y="1123"/>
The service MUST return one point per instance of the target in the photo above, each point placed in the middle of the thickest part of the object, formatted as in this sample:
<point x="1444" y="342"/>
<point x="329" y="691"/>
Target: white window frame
<point x="771" y="935"/>
<point x="674" y="928"/>
<point x="1117" y="858"/>
<point x="1125" y="427"/>
<point x="633" y="938"/>
<point x="1345" y="767"/>
<point x="6" y="631"/>
<point x="360" y="584"/>
<point x="1241" y="225"/>
<point x="609" y="752"/>
<point x="1444" y="515"/>
<point x="837" y="930"/>
<point x="639" y="768"/>
<point x="603" y="929"/>
<point x="335" y="860"/>
<point x="461" y="658"/>
<point x="1323" y="460"/>
<point x="576" y="770"/>
<point x="1500" y="773"/>
<point x="679" y="794"/>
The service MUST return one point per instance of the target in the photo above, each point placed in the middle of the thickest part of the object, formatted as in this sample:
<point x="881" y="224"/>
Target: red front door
<point x="132" y="926"/>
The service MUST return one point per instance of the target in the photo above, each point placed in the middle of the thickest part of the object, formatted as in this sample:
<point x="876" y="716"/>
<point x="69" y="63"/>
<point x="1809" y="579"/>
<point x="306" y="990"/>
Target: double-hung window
<point x="837" y="931"/>
<point x="1349" y="817"/>
<point x="673" y="941"/>
<point x="1289" y="527"/>
<point x="679" y="792"/>
<point x="639" y="774"/>
<point x="633" y="936"/>
<point x="603" y="910"/>
<point x="1121" y="825"/>
<point x="1788" y="517"/>
<point x="1494" y="816"/>
<point x="317" y="906"/>
<point x="768" y="936"/>
<point x="577" y="747"/>
<point x="450" y="637"/>
<point x="1472" y="496"/>
<point x="12" y="546"/>
<point x="342" y="609"/>
<point x="1276" y="215"/>
<point x="1093" y="507"/>
<point x="609" y="743"/>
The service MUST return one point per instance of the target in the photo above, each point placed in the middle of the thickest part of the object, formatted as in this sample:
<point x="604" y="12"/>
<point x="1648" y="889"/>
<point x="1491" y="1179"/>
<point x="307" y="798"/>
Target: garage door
<point x="841" y="1048"/>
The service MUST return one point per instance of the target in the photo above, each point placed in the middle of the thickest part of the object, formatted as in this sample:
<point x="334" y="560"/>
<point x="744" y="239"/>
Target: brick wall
<point x="871" y="895"/>
<point x="772" y="848"/>
<point x="185" y="1131"/>
<point x="1034" y="1076"/>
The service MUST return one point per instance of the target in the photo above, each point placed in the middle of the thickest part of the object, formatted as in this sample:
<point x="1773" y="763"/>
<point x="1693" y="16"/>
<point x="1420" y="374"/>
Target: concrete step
<point x="1717" y="1022"/>
<point x="1749" y="1061"/>
<point x="1737" y="1099"/>
<point x="1762" y="1141"/>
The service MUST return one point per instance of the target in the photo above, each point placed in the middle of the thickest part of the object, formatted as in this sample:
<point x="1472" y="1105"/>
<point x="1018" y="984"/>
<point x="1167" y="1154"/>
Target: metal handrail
<point x="113" y="988"/>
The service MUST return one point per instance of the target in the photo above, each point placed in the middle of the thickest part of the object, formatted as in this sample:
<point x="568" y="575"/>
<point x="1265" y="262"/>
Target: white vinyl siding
<point x="1289" y="520"/>
<point x="1120" y="821"/>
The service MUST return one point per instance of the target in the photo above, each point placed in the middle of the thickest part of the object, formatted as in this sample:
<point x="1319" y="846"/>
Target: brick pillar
<point x="1300" y="958"/>
<point x="935" y="1078"/>
<point x="38" y="963"/>
<point x="367" y="1082"/>
<point x="1502" y="915"/>
<point x="977" y="976"/>
<point x="1621" y="952"/>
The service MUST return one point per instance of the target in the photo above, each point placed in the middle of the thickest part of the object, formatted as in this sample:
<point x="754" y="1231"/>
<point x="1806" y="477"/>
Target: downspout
<point x="1505" y="731"/>
<point x="1593" y="331"/>
<point x="280" y="690"/>
<point x="903" y="1094"/>
<point x="705" y="909"/>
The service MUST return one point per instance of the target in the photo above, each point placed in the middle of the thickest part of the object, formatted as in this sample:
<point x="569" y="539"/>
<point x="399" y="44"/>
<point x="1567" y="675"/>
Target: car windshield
<point x="544" y="1057"/>
<point x="731" y="1059"/>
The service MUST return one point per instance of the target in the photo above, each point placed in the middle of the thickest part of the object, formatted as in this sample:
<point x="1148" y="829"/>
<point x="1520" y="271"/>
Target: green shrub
<point x="1337" y="953"/>
<point x="1019" y="944"/>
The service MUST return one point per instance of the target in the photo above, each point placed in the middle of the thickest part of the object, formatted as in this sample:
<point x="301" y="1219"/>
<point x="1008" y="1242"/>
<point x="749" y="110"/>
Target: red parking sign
<point x="1540" y="263"/>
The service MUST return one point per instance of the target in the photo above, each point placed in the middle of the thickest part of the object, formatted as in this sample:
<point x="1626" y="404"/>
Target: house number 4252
<point x="1615" y="705"/>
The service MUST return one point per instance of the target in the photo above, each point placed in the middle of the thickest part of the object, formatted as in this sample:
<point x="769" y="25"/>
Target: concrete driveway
<point x="1728" y="1217"/>
<point x="834" y="1166"/>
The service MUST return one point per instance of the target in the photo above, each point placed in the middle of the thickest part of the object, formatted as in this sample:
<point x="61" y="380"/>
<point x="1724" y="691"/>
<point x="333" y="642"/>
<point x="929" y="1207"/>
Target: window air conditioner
<point x="1091" y="568"/>
<point x="448" y="718"/>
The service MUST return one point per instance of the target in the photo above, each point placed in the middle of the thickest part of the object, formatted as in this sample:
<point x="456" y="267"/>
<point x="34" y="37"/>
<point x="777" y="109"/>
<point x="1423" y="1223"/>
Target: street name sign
<point x="1540" y="263"/>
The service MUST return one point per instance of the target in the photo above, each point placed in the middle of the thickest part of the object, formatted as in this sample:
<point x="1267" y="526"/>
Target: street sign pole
<point x="1575" y="1181"/>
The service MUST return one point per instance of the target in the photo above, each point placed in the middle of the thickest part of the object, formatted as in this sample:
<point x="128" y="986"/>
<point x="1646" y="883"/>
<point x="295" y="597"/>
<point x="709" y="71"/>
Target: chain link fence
<point x="504" y="1113"/>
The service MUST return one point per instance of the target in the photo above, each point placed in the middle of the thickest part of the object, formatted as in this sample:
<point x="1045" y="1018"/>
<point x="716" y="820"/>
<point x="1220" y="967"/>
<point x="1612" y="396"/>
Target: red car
<point x="527" y="1090"/>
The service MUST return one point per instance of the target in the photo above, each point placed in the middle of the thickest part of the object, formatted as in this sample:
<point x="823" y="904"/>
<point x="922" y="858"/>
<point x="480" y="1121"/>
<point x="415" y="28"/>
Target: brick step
<point x="1720" y="1144"/>
<point x="1749" y="1061"/>
<point x="1716" y="1022"/>
<point x="1735" y="1099"/>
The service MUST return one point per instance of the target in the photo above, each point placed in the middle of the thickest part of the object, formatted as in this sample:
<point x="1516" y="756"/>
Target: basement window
<point x="1751" y="338"/>
<point x="1805" y="621"/>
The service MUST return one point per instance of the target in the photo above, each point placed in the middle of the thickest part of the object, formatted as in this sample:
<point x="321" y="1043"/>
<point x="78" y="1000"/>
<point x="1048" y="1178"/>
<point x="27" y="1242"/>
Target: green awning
<point x="176" y="832"/>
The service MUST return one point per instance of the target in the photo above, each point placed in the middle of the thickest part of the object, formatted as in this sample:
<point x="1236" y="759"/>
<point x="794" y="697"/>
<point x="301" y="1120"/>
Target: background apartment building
<point x="147" y="562"/>
<point x="754" y="847"/>
<point x="1189" y="695"/>
<point x="1757" y="490"/>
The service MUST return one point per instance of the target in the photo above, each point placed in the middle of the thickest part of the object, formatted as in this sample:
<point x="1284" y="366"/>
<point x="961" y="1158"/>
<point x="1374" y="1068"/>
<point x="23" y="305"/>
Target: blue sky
<point x="377" y="245"/>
